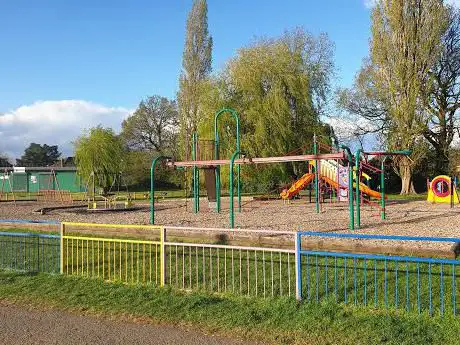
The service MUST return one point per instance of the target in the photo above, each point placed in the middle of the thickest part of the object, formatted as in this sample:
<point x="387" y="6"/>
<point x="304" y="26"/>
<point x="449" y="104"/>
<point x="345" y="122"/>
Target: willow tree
<point x="99" y="154"/>
<point x="196" y="68"/>
<point x="405" y="44"/>
<point x="280" y="88"/>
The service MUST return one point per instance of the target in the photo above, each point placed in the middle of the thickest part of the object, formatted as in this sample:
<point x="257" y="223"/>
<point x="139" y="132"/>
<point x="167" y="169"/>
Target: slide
<point x="297" y="186"/>
<point x="372" y="193"/>
<point x="307" y="178"/>
<point x="362" y="187"/>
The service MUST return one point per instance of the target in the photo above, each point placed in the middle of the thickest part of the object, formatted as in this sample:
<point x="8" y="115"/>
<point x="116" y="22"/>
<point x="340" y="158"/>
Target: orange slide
<point x="300" y="184"/>
<point x="362" y="187"/>
<point x="297" y="186"/>
<point x="372" y="193"/>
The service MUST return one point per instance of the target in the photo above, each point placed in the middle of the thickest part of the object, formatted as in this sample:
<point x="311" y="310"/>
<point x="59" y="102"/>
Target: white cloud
<point x="54" y="123"/>
<point x="455" y="3"/>
<point x="372" y="3"/>
<point x="346" y="128"/>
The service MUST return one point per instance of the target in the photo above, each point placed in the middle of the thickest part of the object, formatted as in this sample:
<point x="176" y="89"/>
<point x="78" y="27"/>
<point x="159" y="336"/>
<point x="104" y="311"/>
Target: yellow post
<point x="162" y="257"/>
<point x="62" y="248"/>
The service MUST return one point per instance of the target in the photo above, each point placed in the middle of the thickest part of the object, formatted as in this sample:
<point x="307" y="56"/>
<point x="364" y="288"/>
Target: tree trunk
<point x="405" y="172"/>
<point x="441" y="161"/>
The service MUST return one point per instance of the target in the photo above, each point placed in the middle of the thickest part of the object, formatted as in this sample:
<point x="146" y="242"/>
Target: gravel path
<point x="23" y="326"/>
<point x="411" y="218"/>
<point x="414" y="218"/>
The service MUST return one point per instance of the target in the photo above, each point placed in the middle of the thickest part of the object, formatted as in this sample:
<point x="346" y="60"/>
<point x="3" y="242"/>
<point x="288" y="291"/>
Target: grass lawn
<point x="411" y="197"/>
<point x="280" y="321"/>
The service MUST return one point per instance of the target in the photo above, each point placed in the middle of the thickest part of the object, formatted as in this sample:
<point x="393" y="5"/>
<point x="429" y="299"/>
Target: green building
<point x="34" y="179"/>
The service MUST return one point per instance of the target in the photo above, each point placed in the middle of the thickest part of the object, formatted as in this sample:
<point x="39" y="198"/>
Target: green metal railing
<point x="29" y="252"/>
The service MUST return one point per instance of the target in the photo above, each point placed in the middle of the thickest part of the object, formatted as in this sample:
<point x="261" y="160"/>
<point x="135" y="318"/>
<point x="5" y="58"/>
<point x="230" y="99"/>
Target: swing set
<point x="112" y="200"/>
<point x="7" y="187"/>
<point x="52" y="191"/>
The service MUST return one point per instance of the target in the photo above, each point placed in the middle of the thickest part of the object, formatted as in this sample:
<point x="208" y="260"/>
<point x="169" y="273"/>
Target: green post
<point x="152" y="188"/>
<point x="232" y="213"/>
<point x="315" y="152"/>
<point x="358" y="206"/>
<point x="382" y="188"/>
<point x="350" y="186"/>
<point x="216" y="153"/>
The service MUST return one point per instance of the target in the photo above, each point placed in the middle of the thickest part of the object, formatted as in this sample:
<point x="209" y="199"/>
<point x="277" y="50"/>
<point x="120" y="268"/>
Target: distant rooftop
<point x="42" y="168"/>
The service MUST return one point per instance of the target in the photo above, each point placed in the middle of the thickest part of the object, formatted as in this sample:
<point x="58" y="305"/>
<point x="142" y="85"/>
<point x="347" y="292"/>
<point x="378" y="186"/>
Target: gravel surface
<point x="24" y="326"/>
<point x="416" y="218"/>
<point x="411" y="218"/>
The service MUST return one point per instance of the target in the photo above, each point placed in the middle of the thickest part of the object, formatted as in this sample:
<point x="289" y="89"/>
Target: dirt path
<point x="20" y="325"/>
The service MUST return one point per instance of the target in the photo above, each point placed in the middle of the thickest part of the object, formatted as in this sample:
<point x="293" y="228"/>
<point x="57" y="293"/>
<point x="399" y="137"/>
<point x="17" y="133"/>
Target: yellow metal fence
<point x="103" y="251"/>
<point x="121" y="260"/>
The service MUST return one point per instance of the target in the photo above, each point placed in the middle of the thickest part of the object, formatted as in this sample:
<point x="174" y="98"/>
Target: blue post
<point x="365" y="281"/>
<point x="407" y="287"/>
<point x="298" y="267"/>
<point x="454" y="290"/>
<point x="326" y="280"/>
<point x="442" y="289"/>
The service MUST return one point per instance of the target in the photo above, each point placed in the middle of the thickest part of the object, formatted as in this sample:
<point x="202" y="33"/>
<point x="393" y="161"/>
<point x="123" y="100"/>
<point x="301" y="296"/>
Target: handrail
<point x="379" y="237"/>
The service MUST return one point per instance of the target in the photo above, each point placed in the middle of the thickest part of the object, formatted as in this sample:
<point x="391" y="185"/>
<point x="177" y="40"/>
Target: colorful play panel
<point x="442" y="190"/>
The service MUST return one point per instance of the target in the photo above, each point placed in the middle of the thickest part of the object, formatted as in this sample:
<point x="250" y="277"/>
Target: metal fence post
<point x="162" y="256"/>
<point x="38" y="253"/>
<point x="61" y="268"/>
<point x="298" y="267"/>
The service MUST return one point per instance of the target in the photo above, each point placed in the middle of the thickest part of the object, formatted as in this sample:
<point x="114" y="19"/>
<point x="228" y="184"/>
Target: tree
<point x="152" y="127"/>
<point x="39" y="155"/>
<point x="196" y="68"/>
<point x="5" y="161"/>
<point x="405" y="44"/>
<point x="99" y="152"/>
<point x="279" y="87"/>
<point x="366" y="101"/>
<point x="442" y="95"/>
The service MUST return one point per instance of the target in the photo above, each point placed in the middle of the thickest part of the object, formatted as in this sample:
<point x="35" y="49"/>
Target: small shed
<point x="34" y="179"/>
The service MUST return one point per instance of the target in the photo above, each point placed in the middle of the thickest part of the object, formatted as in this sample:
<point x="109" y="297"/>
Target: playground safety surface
<point x="404" y="218"/>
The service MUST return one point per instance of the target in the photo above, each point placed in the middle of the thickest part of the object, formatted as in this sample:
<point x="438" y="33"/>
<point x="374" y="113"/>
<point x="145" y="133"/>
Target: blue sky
<point x="60" y="59"/>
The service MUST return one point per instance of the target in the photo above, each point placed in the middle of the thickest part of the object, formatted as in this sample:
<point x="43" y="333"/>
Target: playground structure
<point x="353" y="166"/>
<point x="442" y="189"/>
<point x="341" y="179"/>
<point x="111" y="200"/>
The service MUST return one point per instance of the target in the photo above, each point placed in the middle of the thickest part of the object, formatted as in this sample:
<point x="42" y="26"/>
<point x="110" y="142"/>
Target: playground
<point x="335" y="194"/>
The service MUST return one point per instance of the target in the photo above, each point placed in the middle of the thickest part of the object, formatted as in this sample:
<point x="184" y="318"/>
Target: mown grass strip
<point x="281" y="320"/>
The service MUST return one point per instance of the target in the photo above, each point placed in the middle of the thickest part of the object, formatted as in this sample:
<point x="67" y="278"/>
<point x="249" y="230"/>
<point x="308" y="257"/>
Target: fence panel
<point x="112" y="259"/>
<point x="248" y="271"/>
<point x="399" y="282"/>
<point x="29" y="252"/>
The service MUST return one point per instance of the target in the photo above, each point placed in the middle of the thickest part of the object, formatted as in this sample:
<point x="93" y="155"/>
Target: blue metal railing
<point x="22" y="221"/>
<point x="381" y="281"/>
<point x="30" y="252"/>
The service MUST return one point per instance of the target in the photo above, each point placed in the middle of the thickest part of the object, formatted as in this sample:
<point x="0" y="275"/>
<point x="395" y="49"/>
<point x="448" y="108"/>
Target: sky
<point x="69" y="65"/>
